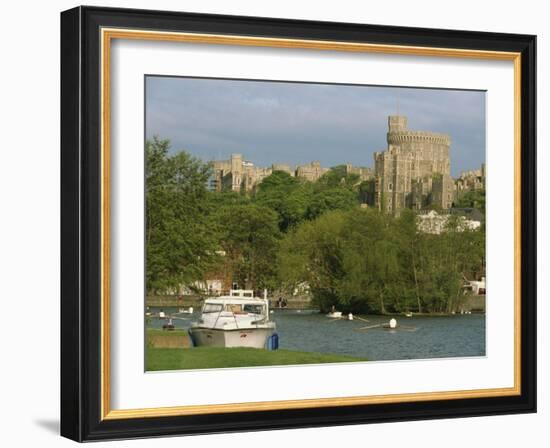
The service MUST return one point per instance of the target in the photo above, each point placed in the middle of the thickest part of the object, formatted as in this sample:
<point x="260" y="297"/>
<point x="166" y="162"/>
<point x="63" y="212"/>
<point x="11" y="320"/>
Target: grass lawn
<point x="216" y="357"/>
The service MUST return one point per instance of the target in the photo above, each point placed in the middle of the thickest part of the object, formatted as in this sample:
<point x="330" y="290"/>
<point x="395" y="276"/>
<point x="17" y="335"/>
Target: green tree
<point x="336" y="198"/>
<point x="409" y="240"/>
<point x="312" y="253"/>
<point x="180" y="246"/>
<point x="474" y="199"/>
<point x="363" y="260"/>
<point x="275" y="192"/>
<point x="338" y="176"/>
<point x="249" y="235"/>
<point x="226" y="198"/>
<point x="360" y="288"/>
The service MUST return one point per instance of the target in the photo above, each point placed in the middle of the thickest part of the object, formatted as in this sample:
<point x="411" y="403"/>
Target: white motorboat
<point x="235" y="320"/>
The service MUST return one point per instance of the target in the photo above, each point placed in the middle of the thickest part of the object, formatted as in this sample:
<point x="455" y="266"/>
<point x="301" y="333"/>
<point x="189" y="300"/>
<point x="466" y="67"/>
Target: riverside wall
<point x="169" y="301"/>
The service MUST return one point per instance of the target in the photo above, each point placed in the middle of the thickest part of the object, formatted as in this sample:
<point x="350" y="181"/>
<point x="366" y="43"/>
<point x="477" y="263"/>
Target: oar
<point x="334" y="319"/>
<point x="369" y="327"/>
<point x="407" y="328"/>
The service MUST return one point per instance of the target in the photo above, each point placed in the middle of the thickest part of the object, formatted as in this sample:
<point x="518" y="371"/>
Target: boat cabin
<point x="239" y="304"/>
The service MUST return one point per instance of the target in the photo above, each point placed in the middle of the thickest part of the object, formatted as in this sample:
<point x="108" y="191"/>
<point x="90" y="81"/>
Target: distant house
<point x="436" y="223"/>
<point x="476" y="287"/>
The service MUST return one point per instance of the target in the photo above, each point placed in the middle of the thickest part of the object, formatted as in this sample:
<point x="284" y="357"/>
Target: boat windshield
<point x="234" y="308"/>
<point x="212" y="308"/>
<point x="253" y="309"/>
<point x="247" y="308"/>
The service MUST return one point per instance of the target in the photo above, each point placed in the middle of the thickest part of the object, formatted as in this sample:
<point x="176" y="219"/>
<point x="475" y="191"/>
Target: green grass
<point x="216" y="357"/>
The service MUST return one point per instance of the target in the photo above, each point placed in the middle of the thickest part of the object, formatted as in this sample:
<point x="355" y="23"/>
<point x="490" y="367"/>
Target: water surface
<point x="415" y="338"/>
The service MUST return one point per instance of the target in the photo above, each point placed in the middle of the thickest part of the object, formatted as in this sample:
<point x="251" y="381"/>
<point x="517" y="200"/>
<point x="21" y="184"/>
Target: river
<point x="419" y="337"/>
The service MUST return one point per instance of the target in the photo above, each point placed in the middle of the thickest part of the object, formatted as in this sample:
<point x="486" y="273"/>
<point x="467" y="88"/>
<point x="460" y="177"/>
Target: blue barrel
<point x="191" y="338"/>
<point x="273" y="342"/>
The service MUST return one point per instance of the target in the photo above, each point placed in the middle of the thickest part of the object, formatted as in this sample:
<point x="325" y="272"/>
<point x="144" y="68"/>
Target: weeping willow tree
<point x="368" y="261"/>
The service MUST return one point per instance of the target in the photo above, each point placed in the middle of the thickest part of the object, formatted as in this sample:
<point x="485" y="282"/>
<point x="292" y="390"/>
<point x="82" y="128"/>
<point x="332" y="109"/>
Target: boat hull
<point x="250" y="337"/>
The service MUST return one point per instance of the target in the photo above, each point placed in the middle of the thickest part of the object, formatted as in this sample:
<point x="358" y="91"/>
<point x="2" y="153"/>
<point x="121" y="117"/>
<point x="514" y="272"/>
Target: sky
<point x="296" y="123"/>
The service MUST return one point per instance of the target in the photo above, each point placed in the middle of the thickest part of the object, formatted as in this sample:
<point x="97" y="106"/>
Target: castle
<point x="472" y="180"/>
<point x="238" y="174"/>
<point x="413" y="172"/>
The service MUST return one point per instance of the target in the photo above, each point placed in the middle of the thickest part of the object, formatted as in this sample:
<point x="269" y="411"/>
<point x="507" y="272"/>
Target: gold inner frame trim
<point x="107" y="35"/>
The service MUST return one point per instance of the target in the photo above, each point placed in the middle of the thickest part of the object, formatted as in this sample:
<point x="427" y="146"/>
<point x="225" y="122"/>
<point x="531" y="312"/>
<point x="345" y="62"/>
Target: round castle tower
<point x="429" y="151"/>
<point x="414" y="170"/>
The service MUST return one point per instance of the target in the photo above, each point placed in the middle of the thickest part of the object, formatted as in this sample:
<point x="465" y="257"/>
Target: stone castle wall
<point x="406" y="170"/>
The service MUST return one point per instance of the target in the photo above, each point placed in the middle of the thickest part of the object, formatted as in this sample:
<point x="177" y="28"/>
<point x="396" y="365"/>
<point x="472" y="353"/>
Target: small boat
<point x="236" y="320"/>
<point x="186" y="311"/>
<point x="169" y="326"/>
<point x="335" y="315"/>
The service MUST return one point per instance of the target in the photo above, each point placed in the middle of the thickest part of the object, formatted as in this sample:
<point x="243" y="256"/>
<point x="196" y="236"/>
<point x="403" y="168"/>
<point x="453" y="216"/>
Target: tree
<point x="225" y="198"/>
<point x="296" y="200"/>
<point x="364" y="260"/>
<point x="338" y="176"/>
<point x="281" y="193"/>
<point x="311" y="254"/>
<point x="180" y="245"/>
<point x="249" y="235"/>
<point x="474" y="199"/>
<point x="331" y="199"/>
<point x="409" y="239"/>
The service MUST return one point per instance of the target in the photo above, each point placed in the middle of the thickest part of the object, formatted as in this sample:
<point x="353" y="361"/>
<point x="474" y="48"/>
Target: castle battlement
<point x="396" y="138"/>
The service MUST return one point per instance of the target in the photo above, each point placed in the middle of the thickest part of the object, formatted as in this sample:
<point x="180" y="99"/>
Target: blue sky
<point x="295" y="123"/>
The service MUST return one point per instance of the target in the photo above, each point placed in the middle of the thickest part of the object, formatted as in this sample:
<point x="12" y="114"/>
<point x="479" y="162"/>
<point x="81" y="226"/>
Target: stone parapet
<point x="397" y="138"/>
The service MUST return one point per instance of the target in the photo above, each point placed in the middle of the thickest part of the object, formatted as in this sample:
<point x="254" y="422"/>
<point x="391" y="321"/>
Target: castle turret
<point x="397" y="123"/>
<point x="404" y="172"/>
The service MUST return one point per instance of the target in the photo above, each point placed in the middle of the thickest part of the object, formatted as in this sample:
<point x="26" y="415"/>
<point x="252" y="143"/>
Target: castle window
<point x="390" y="187"/>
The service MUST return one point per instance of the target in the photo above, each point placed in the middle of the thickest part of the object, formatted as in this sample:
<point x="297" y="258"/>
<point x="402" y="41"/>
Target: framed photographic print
<point x="273" y="223"/>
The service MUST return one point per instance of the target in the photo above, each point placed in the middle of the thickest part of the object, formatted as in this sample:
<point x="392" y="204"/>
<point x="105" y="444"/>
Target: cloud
<point x="295" y="123"/>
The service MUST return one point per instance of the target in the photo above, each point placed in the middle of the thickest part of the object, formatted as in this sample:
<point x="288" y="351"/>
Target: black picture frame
<point x="81" y="380"/>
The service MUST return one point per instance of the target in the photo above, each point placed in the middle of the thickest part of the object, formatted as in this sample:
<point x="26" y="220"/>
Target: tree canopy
<point x="181" y="245"/>
<point x="368" y="261"/>
<point x="473" y="199"/>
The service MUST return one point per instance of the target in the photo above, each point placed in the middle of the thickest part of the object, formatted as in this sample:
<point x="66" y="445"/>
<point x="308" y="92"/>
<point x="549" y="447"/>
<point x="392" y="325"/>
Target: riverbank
<point x="196" y="302"/>
<point x="217" y="357"/>
<point x="469" y="303"/>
